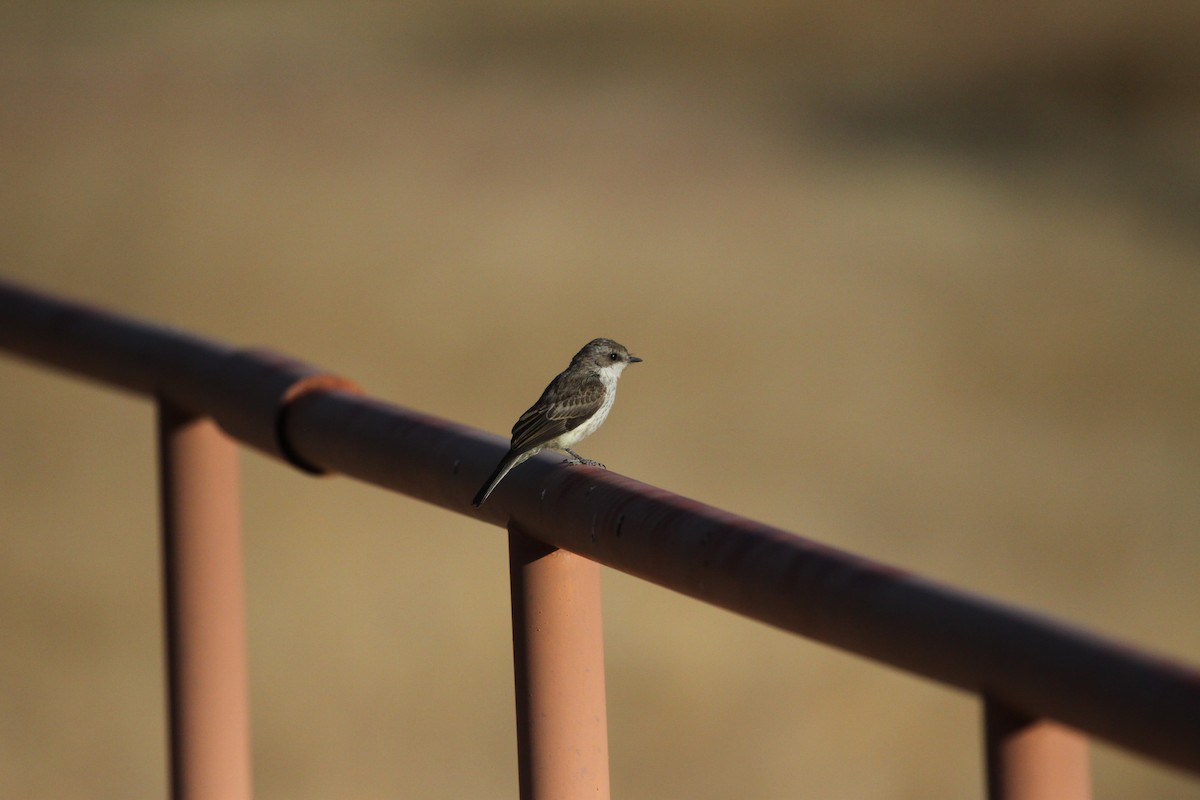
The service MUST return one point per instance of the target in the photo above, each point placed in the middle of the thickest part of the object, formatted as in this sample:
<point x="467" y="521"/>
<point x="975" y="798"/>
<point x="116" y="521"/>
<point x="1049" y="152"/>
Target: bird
<point x="571" y="408"/>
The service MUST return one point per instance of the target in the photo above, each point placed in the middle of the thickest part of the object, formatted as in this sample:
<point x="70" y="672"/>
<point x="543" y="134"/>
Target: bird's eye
<point x="614" y="357"/>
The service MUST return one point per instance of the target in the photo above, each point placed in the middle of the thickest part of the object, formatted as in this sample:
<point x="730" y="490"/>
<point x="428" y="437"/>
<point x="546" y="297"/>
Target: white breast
<point x="608" y="376"/>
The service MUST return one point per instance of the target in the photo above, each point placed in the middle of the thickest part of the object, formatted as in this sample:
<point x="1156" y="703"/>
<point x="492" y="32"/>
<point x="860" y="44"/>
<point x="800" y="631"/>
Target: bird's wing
<point x="552" y="416"/>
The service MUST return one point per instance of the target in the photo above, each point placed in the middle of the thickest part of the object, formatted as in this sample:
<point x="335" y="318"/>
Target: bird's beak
<point x="634" y="359"/>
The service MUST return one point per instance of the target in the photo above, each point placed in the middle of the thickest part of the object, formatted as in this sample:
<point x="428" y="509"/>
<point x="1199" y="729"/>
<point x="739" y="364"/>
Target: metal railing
<point x="1045" y="686"/>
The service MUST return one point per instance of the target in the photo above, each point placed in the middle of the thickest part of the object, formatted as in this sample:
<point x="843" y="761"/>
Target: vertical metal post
<point x="1033" y="759"/>
<point x="205" y="616"/>
<point x="558" y="654"/>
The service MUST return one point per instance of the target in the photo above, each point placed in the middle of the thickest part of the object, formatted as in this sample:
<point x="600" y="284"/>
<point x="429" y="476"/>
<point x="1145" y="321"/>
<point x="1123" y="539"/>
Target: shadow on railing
<point x="1045" y="686"/>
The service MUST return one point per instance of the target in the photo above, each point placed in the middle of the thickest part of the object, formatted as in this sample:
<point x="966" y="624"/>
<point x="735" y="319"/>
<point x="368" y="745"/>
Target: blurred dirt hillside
<point x="918" y="280"/>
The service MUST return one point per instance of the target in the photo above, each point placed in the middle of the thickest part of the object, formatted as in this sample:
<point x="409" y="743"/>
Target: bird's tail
<point x="510" y="460"/>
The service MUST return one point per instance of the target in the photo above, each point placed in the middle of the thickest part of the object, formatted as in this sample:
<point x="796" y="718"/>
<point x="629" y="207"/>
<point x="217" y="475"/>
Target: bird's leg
<point x="578" y="459"/>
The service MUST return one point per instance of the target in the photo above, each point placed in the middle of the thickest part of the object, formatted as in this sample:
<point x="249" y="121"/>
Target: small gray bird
<point x="573" y="406"/>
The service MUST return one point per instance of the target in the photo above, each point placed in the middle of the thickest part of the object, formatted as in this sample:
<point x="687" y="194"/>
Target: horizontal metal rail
<point x="1026" y="665"/>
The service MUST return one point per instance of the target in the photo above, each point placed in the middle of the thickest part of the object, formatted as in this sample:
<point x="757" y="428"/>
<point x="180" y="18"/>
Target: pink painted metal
<point x="204" y="610"/>
<point x="1023" y="660"/>
<point x="558" y="657"/>
<point x="1144" y="703"/>
<point x="246" y="391"/>
<point x="1033" y="759"/>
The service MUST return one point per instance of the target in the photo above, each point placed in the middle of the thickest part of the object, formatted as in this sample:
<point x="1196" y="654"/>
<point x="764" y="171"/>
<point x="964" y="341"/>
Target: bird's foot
<point x="578" y="459"/>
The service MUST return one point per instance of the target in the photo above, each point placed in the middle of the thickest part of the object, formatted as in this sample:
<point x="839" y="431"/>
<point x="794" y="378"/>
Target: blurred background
<point x="915" y="280"/>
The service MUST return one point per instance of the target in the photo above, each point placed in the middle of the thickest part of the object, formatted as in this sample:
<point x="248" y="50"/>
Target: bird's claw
<point x="587" y="462"/>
